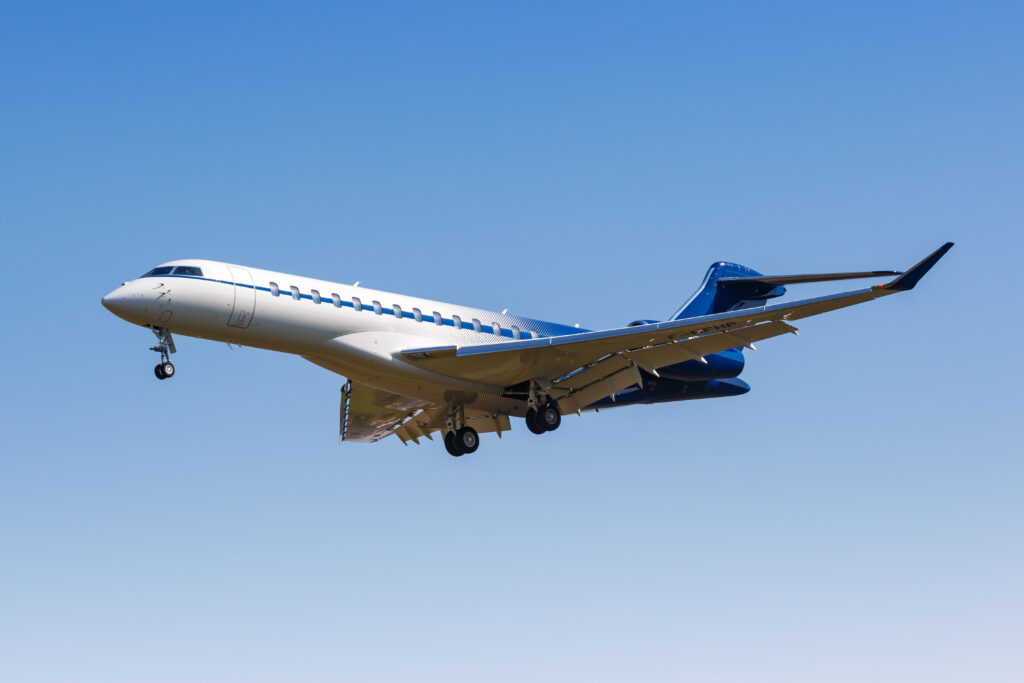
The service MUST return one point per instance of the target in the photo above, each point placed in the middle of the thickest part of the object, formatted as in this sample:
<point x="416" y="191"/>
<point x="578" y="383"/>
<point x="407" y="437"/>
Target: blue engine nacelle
<point x="661" y="390"/>
<point x="721" y="365"/>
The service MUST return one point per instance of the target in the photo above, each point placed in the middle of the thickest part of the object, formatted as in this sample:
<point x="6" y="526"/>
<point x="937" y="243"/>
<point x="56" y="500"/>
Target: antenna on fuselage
<point x="357" y="283"/>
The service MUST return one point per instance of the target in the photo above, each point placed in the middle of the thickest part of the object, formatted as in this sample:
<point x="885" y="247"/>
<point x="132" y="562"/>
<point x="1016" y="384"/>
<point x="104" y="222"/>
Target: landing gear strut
<point x="165" y="347"/>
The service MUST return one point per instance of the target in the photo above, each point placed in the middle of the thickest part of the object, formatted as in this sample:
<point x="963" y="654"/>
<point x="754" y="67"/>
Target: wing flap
<point x="695" y="349"/>
<point x="607" y="386"/>
<point x="595" y="372"/>
<point x="369" y="414"/>
<point x="431" y="420"/>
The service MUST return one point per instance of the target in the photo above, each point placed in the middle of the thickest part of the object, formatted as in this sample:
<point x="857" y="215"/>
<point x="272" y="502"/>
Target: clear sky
<point x="858" y="516"/>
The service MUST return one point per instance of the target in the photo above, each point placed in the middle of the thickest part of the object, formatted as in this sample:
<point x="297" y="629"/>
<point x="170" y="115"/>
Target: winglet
<point x="909" y="279"/>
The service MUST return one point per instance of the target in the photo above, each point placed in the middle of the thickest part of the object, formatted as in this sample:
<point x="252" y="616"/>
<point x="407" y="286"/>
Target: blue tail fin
<point x="732" y="287"/>
<point x="714" y="297"/>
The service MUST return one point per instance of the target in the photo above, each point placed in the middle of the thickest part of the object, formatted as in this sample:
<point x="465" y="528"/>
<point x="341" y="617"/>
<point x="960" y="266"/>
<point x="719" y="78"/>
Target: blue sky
<point x="857" y="516"/>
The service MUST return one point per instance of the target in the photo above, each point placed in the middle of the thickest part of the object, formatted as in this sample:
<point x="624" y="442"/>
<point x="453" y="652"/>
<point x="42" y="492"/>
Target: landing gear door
<point x="245" y="298"/>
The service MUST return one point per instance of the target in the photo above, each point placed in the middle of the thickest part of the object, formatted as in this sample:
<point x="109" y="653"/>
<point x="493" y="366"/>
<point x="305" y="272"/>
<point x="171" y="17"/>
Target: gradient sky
<point x="858" y="516"/>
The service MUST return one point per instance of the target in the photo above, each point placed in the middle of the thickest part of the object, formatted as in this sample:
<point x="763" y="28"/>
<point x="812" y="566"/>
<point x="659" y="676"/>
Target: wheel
<point x="159" y="371"/>
<point x="531" y="424"/>
<point x="450" y="445"/>
<point x="548" y="418"/>
<point x="167" y="369"/>
<point x="467" y="440"/>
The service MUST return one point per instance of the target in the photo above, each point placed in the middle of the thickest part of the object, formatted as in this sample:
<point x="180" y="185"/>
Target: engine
<point x="661" y="390"/>
<point x="721" y="365"/>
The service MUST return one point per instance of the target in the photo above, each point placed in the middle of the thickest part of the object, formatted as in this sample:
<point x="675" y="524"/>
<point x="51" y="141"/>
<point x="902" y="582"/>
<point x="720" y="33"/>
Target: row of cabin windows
<point x="417" y="314"/>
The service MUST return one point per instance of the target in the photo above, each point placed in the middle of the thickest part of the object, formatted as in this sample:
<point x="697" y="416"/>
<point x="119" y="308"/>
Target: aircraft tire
<point x="548" y="418"/>
<point x="531" y="422"/>
<point x="450" y="445"/>
<point x="159" y="371"/>
<point x="167" y="369"/>
<point x="467" y="440"/>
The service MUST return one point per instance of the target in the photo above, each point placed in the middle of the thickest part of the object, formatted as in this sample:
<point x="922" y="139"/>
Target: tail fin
<point x="732" y="287"/>
<point x="714" y="297"/>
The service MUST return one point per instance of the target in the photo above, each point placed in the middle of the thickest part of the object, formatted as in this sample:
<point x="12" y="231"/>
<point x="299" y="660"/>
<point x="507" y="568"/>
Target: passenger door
<point x="245" y="297"/>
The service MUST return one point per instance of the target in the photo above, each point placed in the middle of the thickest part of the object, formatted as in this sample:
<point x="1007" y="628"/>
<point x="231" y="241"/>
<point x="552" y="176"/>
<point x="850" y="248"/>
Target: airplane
<point x="416" y="367"/>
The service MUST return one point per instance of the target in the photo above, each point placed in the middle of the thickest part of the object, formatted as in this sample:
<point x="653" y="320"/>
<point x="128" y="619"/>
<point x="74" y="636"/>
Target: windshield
<point x="188" y="270"/>
<point x="162" y="270"/>
<point x="194" y="271"/>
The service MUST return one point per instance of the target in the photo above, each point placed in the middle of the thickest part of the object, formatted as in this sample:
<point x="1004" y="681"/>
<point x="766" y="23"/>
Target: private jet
<point x="416" y="367"/>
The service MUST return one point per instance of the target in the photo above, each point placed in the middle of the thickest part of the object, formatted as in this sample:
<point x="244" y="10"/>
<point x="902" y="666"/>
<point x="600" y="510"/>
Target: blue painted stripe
<point x="445" y="322"/>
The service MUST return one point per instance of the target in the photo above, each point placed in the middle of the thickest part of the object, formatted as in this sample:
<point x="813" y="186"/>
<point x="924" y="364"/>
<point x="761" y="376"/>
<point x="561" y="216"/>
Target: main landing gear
<point x="544" y="419"/>
<point x="543" y="415"/>
<point x="165" y="346"/>
<point x="460" y="439"/>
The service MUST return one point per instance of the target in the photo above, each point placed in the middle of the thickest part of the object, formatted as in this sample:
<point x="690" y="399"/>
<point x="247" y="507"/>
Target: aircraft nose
<point x="119" y="302"/>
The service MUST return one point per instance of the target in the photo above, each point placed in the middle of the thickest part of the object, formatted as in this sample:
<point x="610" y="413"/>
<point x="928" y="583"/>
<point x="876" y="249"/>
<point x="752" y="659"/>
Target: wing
<point x="588" y="366"/>
<point x="431" y="420"/>
<point x="369" y="414"/>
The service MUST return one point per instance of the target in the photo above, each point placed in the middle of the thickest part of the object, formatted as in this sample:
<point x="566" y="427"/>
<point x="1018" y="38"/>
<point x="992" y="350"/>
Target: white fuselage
<point x="353" y="331"/>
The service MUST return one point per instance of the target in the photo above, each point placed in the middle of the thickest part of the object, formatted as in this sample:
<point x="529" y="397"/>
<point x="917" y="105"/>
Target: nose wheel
<point x="165" y="347"/>
<point x="164" y="370"/>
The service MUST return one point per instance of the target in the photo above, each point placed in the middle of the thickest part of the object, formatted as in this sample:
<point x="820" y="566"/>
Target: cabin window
<point x="457" y="322"/>
<point x="477" y="327"/>
<point x="357" y="304"/>
<point x="336" y="298"/>
<point x="274" y="289"/>
<point x="295" y="293"/>
<point x="516" y="334"/>
<point x="438" y="320"/>
<point x="417" y="315"/>
<point x="496" y="328"/>
<point x="316" y="295"/>
<point x="398" y="311"/>
<point x="162" y="270"/>
<point x="377" y="308"/>
<point x="188" y="270"/>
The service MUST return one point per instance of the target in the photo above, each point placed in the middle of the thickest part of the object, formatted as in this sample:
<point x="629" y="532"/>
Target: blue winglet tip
<point x="909" y="279"/>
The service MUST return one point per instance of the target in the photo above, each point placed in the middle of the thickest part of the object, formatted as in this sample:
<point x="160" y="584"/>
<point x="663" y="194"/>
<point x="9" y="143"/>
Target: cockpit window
<point x="162" y="270"/>
<point x="188" y="270"/>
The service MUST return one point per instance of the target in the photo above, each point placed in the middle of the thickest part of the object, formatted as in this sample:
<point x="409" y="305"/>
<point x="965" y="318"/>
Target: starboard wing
<point x="555" y="361"/>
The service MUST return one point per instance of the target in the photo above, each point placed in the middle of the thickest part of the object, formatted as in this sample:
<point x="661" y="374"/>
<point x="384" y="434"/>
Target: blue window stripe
<point x="485" y="329"/>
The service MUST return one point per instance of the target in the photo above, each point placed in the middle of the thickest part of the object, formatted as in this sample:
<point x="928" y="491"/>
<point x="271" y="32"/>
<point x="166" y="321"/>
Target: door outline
<point x="244" y="305"/>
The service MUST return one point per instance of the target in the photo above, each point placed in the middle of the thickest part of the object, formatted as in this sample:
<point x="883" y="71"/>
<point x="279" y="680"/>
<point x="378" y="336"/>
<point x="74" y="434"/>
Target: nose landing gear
<point x="165" y="346"/>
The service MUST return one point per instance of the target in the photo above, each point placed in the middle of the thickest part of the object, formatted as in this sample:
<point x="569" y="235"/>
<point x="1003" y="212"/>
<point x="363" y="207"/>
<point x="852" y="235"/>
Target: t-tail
<point x="732" y="287"/>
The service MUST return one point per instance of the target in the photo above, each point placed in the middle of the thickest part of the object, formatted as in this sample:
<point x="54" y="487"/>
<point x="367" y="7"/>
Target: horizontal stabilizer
<point x="773" y="280"/>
